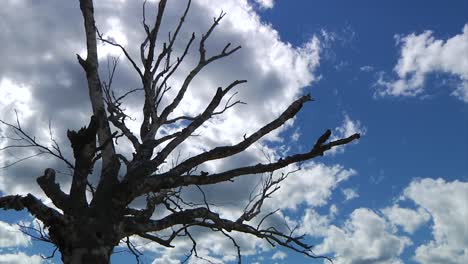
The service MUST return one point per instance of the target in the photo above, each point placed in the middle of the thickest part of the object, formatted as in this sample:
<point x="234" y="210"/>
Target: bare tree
<point x="87" y="231"/>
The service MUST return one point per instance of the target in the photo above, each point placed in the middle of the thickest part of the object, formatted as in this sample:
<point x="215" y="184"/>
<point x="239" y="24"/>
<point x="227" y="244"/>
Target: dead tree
<point x="87" y="231"/>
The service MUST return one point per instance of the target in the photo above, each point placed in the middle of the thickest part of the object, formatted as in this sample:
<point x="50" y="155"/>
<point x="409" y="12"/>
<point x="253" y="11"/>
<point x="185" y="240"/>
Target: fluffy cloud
<point x="210" y="245"/>
<point x="409" y="219"/>
<point x="279" y="255"/>
<point x="349" y="194"/>
<point x="277" y="72"/>
<point x="164" y="260"/>
<point x="312" y="185"/>
<point x="422" y="55"/>
<point x="346" y="129"/>
<point x="315" y="224"/>
<point x="267" y="4"/>
<point x="11" y="236"/>
<point x="365" y="238"/>
<point x="47" y="83"/>
<point x="446" y="203"/>
<point x="20" y="258"/>
<point x="14" y="96"/>
<point x="367" y="68"/>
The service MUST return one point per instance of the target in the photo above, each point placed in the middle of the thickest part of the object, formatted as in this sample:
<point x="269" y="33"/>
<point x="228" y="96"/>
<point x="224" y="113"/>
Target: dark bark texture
<point x="87" y="230"/>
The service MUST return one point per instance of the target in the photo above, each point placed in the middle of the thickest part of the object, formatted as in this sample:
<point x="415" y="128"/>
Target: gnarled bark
<point x="100" y="255"/>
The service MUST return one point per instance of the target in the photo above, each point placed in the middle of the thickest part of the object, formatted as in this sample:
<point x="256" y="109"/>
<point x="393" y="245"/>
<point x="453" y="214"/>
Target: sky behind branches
<point x="395" y="71"/>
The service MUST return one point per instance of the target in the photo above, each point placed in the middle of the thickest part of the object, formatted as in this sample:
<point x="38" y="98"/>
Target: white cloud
<point x="165" y="259"/>
<point x="312" y="185"/>
<point x="422" y="55"/>
<point x="14" y="96"/>
<point x="210" y="245"/>
<point x="277" y="73"/>
<point x="266" y="4"/>
<point x="349" y="194"/>
<point x="315" y="224"/>
<point x="409" y="219"/>
<point x="346" y="129"/>
<point x="279" y="255"/>
<point x="350" y="127"/>
<point x="20" y="258"/>
<point x="11" y="236"/>
<point x="446" y="202"/>
<point x="365" y="238"/>
<point x="367" y="68"/>
<point x="296" y="135"/>
<point x="114" y="33"/>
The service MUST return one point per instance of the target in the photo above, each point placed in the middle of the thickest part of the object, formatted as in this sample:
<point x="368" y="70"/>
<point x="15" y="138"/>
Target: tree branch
<point x="30" y="141"/>
<point x="122" y="48"/>
<point x="44" y="213"/>
<point x="201" y="64"/>
<point x="203" y="217"/>
<point x="169" y="180"/>
<point x="117" y="114"/>
<point x="226" y="151"/>
<point x="83" y="143"/>
<point x="110" y="163"/>
<point x="90" y="65"/>
<point x="52" y="190"/>
<point x="197" y="122"/>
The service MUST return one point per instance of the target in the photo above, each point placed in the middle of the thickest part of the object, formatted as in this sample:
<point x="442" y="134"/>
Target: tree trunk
<point x="100" y="255"/>
<point x="85" y="240"/>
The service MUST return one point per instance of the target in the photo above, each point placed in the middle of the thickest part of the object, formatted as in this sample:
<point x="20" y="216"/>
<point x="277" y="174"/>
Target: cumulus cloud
<point x="346" y="129"/>
<point x="164" y="260"/>
<point x="315" y="224"/>
<point x="47" y="83"/>
<point x="20" y="258"/>
<point x="446" y="203"/>
<point x="349" y="194"/>
<point x="11" y="236"/>
<point x="350" y="127"/>
<point x="210" y="245"/>
<point x="312" y="185"/>
<point x="369" y="237"/>
<point x="266" y="4"/>
<point x="279" y="255"/>
<point x="409" y="219"/>
<point x="423" y="54"/>
<point x="365" y="238"/>
<point x="367" y="68"/>
<point x="14" y="96"/>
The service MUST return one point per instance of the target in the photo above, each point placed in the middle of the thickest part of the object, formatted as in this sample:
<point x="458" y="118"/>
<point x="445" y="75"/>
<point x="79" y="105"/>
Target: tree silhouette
<point x="87" y="230"/>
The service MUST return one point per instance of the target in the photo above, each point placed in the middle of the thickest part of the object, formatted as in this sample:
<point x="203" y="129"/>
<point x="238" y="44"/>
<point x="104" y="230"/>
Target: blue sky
<point x="407" y="137"/>
<point x="396" y="71"/>
<point x="422" y="136"/>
